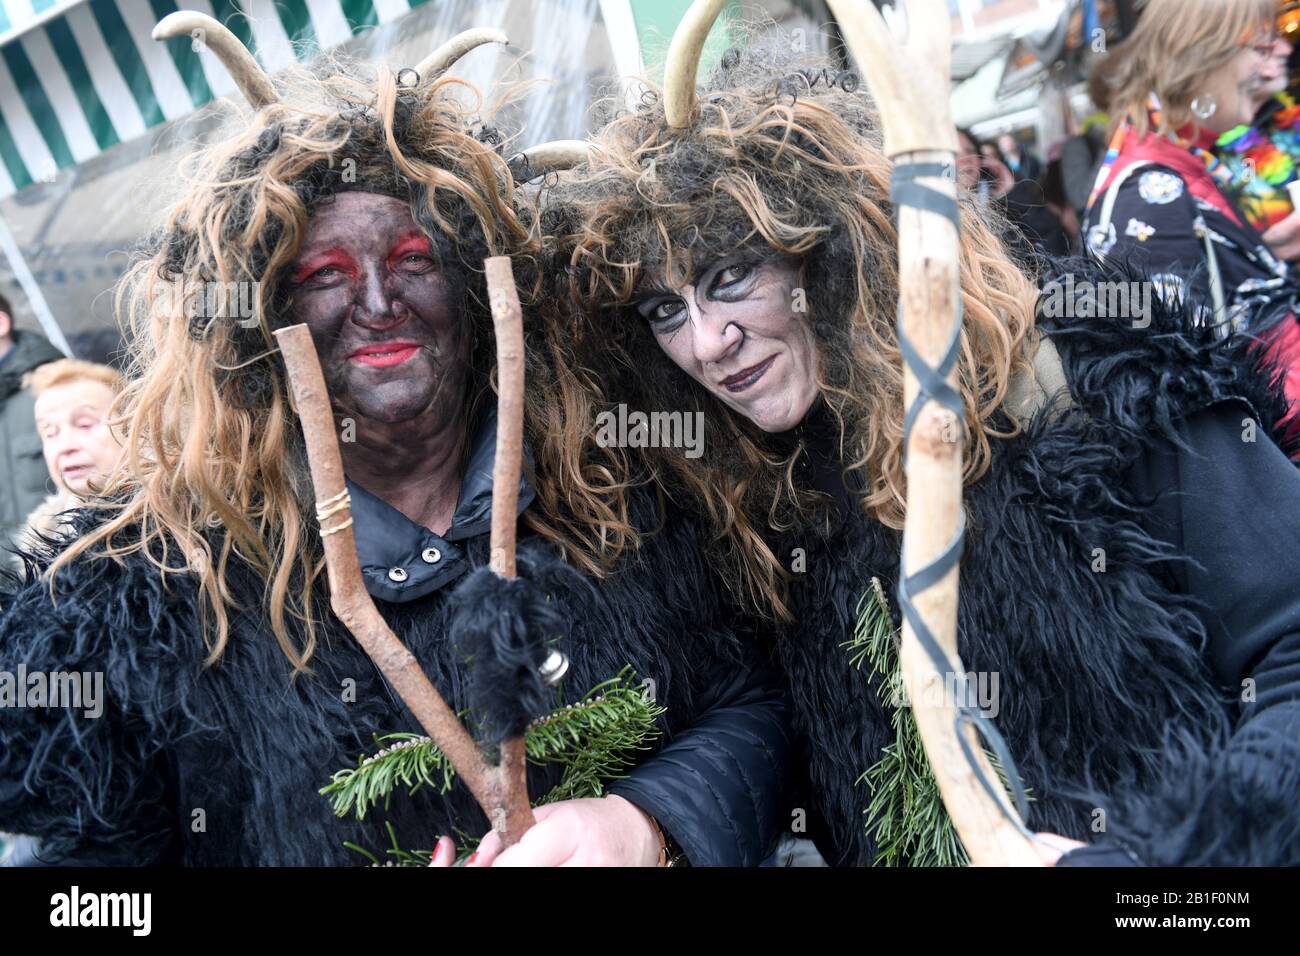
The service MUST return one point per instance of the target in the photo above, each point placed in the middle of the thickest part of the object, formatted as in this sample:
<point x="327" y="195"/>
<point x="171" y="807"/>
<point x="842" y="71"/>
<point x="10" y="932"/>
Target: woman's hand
<point x="1283" y="238"/>
<point x="444" y="854"/>
<point x="608" y="831"/>
<point x="1050" y="847"/>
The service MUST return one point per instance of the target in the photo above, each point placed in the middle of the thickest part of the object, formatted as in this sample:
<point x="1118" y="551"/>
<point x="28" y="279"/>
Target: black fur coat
<point x="1120" y="692"/>
<point x="221" y="765"/>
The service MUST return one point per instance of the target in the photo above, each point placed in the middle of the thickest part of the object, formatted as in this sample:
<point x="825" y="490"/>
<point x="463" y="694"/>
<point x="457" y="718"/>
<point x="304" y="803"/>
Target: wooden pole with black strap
<point x="909" y="81"/>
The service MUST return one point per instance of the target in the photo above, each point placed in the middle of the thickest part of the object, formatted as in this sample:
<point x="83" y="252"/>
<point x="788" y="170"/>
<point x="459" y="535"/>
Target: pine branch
<point x="410" y="760"/>
<point x="594" y="738"/>
<point x="906" y="819"/>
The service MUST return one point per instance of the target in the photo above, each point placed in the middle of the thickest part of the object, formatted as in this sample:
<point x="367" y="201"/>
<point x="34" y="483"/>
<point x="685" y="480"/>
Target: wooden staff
<point x="508" y="325"/>
<point x="500" y="789"/>
<point x="909" y="81"/>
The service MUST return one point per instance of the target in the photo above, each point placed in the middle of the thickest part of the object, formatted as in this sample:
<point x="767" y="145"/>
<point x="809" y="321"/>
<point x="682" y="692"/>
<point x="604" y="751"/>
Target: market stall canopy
<point x="95" y="115"/>
<point x="81" y="76"/>
<point x="969" y="58"/>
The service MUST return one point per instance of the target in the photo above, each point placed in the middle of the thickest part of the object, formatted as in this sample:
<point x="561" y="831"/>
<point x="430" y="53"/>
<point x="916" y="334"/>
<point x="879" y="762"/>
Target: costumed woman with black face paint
<point x="1130" y="564"/>
<point x="361" y="204"/>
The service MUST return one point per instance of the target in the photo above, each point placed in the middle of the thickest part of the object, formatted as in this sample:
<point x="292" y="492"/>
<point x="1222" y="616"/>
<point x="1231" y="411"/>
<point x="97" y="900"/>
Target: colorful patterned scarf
<point x="1125" y="139"/>
<point x="1262" y="160"/>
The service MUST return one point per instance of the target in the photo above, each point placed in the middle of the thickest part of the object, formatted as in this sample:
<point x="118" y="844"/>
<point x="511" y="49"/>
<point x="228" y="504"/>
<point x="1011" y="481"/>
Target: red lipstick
<point x="384" y="354"/>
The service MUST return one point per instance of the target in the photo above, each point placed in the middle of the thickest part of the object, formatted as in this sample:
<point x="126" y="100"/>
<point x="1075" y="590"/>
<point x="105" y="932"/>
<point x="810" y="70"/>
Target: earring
<point x="1203" y="107"/>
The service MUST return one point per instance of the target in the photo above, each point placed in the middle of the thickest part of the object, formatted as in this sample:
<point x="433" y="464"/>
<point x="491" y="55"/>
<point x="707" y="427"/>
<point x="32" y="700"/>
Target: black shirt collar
<point x="401" y="560"/>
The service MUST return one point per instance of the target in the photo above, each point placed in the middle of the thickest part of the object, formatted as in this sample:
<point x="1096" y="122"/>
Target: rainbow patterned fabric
<point x="1263" y="161"/>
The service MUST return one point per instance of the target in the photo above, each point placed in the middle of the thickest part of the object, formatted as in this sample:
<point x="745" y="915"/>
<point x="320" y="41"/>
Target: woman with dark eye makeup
<point x="698" y="324"/>
<point x="1127" y="583"/>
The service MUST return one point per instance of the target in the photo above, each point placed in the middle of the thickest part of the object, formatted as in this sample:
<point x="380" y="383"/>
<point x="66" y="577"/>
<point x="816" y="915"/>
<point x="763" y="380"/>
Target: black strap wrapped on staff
<point x="933" y="385"/>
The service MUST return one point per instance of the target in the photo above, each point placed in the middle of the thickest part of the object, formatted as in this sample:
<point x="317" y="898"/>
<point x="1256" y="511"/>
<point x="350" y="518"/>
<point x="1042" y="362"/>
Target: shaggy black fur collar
<point x="221" y="765"/>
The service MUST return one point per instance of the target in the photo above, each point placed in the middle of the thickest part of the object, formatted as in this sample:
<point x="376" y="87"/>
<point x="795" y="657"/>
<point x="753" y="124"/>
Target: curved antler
<point x="910" y="84"/>
<point x="441" y="59"/>
<point x="234" y="56"/>
<point x="557" y="154"/>
<point x="684" y="60"/>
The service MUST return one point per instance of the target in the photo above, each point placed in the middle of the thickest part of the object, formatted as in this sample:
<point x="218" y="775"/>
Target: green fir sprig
<point x="906" y="819"/>
<point x="594" y="739"/>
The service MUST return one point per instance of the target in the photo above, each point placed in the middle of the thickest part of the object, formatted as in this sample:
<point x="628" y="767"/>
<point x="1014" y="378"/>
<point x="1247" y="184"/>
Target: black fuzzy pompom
<point x="501" y="627"/>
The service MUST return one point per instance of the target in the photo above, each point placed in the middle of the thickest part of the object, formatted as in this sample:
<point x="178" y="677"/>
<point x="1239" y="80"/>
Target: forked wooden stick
<point x="501" y="790"/>
<point x="909" y="81"/>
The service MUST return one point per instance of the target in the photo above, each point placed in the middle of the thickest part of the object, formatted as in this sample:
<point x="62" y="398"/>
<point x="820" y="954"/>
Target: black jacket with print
<point x="1158" y="227"/>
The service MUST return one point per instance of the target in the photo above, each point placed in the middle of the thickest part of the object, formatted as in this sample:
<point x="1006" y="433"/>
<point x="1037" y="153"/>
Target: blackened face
<point x="391" y="342"/>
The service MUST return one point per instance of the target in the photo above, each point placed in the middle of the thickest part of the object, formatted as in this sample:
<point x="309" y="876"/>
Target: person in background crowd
<point x="1080" y="156"/>
<point x="977" y="171"/>
<point x="1021" y="162"/>
<point x="22" y="470"/>
<point x="1262" y="156"/>
<point x="1039" y="229"/>
<point x="1190" y="72"/>
<point x="21" y="446"/>
<point x="72" y="402"/>
<point x="1048" y="224"/>
<point x="101" y="346"/>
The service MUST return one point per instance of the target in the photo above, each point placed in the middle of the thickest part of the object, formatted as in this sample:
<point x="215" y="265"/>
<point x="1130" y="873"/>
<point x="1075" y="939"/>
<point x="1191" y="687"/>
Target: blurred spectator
<point x="1022" y="163"/>
<point x="22" y="470"/>
<point x="1043" y="214"/>
<point x="1080" y="156"/>
<point x="1191" y="71"/>
<point x="977" y="171"/>
<point x="102" y="346"/>
<point x="1262" y="156"/>
<point x="72" y="402"/>
<point x="1035" y="222"/>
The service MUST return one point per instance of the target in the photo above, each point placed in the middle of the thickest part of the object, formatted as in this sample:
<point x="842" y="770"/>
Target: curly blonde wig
<point x="214" y="469"/>
<point x="782" y="158"/>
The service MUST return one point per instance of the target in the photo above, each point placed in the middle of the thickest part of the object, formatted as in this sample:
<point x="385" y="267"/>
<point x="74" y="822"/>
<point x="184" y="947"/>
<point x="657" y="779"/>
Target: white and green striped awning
<point x="95" y="116"/>
<point x="79" y="76"/>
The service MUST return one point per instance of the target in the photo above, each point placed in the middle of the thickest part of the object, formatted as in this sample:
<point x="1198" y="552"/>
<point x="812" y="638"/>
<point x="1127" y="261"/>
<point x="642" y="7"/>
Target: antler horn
<point x="903" y="73"/>
<point x="683" y="61"/>
<point x="557" y="154"/>
<point x="234" y="56"/>
<point x="441" y="59"/>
